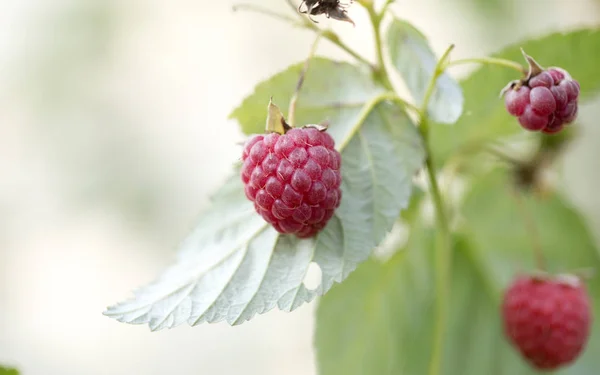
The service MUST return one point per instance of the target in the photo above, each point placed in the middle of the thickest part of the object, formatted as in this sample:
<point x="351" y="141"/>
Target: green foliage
<point x="333" y="91"/>
<point x="405" y="315"/>
<point x="8" y="371"/>
<point x="234" y="265"/>
<point x="412" y="56"/>
<point x="485" y="118"/>
<point x="380" y="320"/>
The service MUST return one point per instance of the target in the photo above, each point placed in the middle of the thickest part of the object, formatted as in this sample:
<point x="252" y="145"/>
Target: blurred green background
<point x="114" y="130"/>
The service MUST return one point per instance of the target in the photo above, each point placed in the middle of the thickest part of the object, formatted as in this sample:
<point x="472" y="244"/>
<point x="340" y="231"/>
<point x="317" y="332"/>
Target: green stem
<point x="380" y="69"/>
<point x="335" y="39"/>
<point x="384" y="8"/>
<point x="501" y="155"/>
<point x="306" y="24"/>
<point x="329" y="35"/>
<point x="442" y="263"/>
<point x="490" y="61"/>
<point x="443" y="255"/>
<point x="294" y="100"/>
<point x="531" y="229"/>
<point x="368" y="108"/>
<point x="266" y="12"/>
<point x="439" y="69"/>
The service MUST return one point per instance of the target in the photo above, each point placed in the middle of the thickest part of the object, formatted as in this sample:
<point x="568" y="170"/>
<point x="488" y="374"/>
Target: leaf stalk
<point x="490" y="61"/>
<point x="443" y="255"/>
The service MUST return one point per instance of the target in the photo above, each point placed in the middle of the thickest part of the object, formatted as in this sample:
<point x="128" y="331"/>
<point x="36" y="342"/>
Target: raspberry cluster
<point x="293" y="179"/>
<point x="545" y="102"/>
<point x="547" y="319"/>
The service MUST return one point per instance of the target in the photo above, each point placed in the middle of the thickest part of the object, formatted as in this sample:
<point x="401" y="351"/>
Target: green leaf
<point x="485" y="118"/>
<point x="332" y="91"/>
<point x="381" y="319"/>
<point x="234" y="265"/>
<point x="8" y="371"/>
<point x="412" y="56"/>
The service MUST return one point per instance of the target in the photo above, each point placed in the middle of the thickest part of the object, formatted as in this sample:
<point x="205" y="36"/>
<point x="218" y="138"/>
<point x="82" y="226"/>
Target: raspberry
<point x="545" y="101"/>
<point x="547" y="319"/>
<point x="293" y="179"/>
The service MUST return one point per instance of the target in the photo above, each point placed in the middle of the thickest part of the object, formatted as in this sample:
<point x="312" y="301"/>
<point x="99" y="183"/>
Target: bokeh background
<point x="114" y="130"/>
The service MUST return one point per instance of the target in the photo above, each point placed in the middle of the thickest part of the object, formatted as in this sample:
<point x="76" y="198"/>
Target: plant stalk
<point x="490" y="61"/>
<point x="531" y="229"/>
<point x="380" y="70"/>
<point x="442" y="262"/>
<point x="443" y="254"/>
<point x="294" y="100"/>
<point x="329" y="35"/>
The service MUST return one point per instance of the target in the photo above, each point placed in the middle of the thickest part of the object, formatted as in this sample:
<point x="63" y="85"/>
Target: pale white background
<point x="113" y="130"/>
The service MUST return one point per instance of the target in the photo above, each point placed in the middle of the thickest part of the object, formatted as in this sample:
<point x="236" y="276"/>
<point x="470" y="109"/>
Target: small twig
<point x="305" y="23"/>
<point x="292" y="5"/>
<point x="438" y="70"/>
<point x="503" y="156"/>
<point x="366" y="111"/>
<point x="490" y="61"/>
<point x="443" y="256"/>
<point x="384" y="8"/>
<point x="531" y="228"/>
<point x="266" y="12"/>
<point x="293" y="102"/>
<point x="380" y="69"/>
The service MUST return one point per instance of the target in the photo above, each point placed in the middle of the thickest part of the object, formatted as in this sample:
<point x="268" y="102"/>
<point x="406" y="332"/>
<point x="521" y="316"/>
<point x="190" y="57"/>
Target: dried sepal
<point x="319" y="127"/>
<point x="275" y="121"/>
<point x="533" y="69"/>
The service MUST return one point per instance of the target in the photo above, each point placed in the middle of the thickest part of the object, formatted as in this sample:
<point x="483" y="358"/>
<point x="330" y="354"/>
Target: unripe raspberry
<point x="547" y="319"/>
<point x="293" y="179"/>
<point x="546" y="100"/>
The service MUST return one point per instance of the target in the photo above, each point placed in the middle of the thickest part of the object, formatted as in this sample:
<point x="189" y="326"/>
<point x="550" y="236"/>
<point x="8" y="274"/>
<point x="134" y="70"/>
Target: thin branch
<point x="380" y="69"/>
<point x="490" y="61"/>
<point x="439" y="69"/>
<point x="368" y="108"/>
<point x="531" y="228"/>
<point x="294" y="100"/>
<point x="443" y="255"/>
<point x="329" y="35"/>
<point x="265" y="11"/>
<point x="385" y="8"/>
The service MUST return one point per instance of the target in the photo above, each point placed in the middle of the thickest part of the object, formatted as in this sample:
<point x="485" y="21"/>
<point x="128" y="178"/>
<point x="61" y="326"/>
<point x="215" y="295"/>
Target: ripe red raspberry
<point x="546" y="101"/>
<point x="293" y="179"/>
<point x="547" y="319"/>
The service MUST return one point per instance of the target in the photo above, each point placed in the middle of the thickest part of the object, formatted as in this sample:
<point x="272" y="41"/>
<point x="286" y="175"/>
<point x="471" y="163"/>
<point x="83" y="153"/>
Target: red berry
<point x="547" y="101"/>
<point x="547" y="319"/>
<point x="293" y="179"/>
